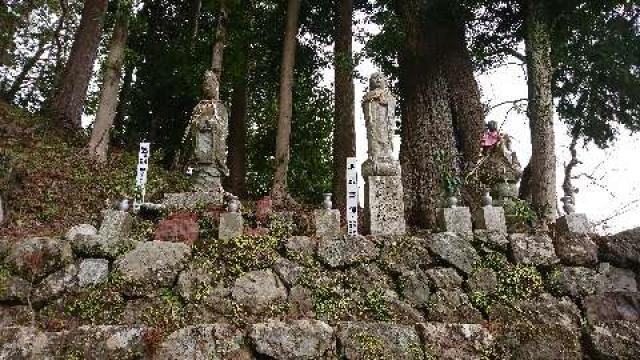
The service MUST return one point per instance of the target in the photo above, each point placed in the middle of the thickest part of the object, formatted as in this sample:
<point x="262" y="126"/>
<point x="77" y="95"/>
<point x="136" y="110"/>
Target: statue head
<point x="211" y="85"/>
<point x="492" y="125"/>
<point x="377" y="81"/>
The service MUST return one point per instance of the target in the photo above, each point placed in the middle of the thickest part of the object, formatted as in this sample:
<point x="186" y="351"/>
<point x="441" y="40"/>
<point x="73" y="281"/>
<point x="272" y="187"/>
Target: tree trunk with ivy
<point x="428" y="149"/>
<point x="279" y="190"/>
<point x="542" y="165"/>
<point x="344" y="133"/>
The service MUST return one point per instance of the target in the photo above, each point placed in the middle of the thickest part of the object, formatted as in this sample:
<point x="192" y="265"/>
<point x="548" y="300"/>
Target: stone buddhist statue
<point x="208" y="130"/>
<point x="379" y="107"/>
<point x="383" y="192"/>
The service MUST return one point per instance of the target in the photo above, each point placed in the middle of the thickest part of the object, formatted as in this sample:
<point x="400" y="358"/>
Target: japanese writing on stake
<point x="143" y="167"/>
<point x="352" y="196"/>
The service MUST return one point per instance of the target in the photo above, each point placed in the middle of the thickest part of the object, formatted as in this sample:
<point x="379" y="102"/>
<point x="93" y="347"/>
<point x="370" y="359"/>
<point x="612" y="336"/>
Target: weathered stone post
<point x="384" y="203"/>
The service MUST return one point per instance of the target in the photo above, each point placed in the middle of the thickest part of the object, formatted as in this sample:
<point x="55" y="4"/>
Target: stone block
<point x="301" y="339"/>
<point x="37" y="257"/>
<point x="179" y="227"/>
<point x="533" y="249"/>
<point x="454" y="250"/>
<point x="491" y="218"/>
<point x="346" y="250"/>
<point x="116" y="224"/>
<point x="576" y="250"/>
<point x="612" y="306"/>
<point x="93" y="272"/>
<point x="152" y="265"/>
<point x="258" y="290"/>
<point x="204" y="342"/>
<point x="573" y="224"/>
<point x="456" y="341"/>
<point x="327" y="223"/>
<point x="193" y="200"/>
<point x="231" y="225"/>
<point x="378" y="341"/>
<point x="384" y="205"/>
<point x="615" y="339"/>
<point x="455" y="220"/>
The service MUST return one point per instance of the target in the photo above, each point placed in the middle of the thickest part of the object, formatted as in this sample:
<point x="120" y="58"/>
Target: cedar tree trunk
<point x="344" y="137"/>
<point x="99" y="142"/>
<point x="68" y="100"/>
<point x="428" y="148"/>
<point x="279" y="190"/>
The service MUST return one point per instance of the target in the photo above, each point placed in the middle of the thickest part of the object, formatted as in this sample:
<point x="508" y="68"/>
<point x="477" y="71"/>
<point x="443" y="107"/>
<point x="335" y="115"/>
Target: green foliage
<point x="519" y="212"/>
<point x="371" y="346"/>
<point x="101" y="304"/>
<point x="281" y="226"/>
<point x="451" y="181"/>
<point x="228" y="259"/>
<point x="5" y="274"/>
<point x="376" y="304"/>
<point x="167" y="314"/>
<point x="515" y="283"/>
<point x="336" y="298"/>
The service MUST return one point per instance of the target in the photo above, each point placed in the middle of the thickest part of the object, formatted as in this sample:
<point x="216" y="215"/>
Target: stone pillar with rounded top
<point x="327" y="219"/>
<point x="384" y="196"/>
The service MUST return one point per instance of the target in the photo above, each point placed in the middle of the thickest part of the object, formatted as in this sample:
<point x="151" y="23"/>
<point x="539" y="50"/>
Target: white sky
<point x="617" y="169"/>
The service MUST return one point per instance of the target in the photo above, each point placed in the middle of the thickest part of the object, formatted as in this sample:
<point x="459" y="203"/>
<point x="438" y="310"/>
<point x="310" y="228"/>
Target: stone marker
<point x="455" y="220"/>
<point x="384" y="203"/>
<point x="116" y="224"/>
<point x="491" y="218"/>
<point x="327" y="223"/>
<point x="231" y="225"/>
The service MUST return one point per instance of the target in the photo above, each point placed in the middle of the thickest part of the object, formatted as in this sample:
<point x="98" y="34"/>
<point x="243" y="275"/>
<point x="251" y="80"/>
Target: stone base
<point x="455" y="220"/>
<point x="327" y="223"/>
<point x="573" y="224"/>
<point x="231" y="225"/>
<point x="193" y="200"/>
<point x="491" y="218"/>
<point x="206" y="178"/>
<point x="384" y="205"/>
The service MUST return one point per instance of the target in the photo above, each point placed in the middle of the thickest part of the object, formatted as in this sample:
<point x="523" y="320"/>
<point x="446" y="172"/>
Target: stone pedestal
<point x="491" y="218"/>
<point x="327" y="223"/>
<point x="192" y="200"/>
<point x="455" y="220"/>
<point x="384" y="205"/>
<point x="231" y="225"/>
<point x="573" y="224"/>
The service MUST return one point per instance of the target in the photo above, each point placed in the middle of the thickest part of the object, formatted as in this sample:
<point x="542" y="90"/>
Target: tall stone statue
<point x="208" y="130"/>
<point x="384" y="203"/>
<point x="379" y="107"/>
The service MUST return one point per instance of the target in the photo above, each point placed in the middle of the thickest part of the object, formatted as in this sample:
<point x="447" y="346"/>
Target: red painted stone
<point x="178" y="227"/>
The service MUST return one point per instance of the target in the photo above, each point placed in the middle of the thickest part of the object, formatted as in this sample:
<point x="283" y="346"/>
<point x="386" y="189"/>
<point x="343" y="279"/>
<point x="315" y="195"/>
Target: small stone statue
<point x="379" y="114"/>
<point x="491" y="137"/>
<point x="499" y="169"/>
<point x="209" y="129"/>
